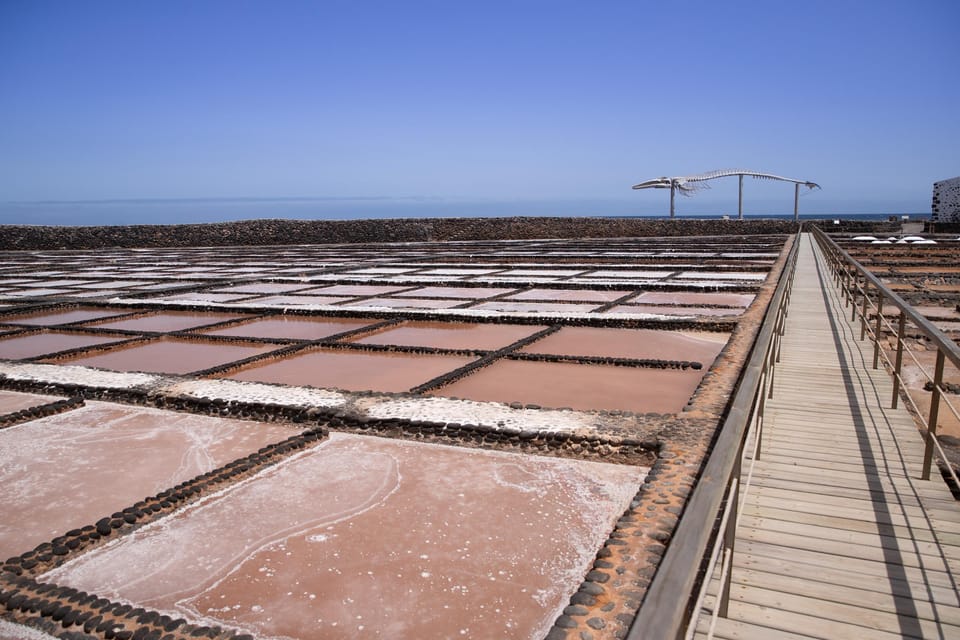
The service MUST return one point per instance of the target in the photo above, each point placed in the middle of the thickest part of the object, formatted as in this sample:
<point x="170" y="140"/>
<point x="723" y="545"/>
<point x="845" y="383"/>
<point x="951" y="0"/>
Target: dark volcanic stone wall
<point x="279" y="232"/>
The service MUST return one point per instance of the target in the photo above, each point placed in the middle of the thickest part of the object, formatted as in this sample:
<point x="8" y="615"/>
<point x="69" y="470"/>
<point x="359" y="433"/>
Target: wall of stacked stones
<point x="279" y="232"/>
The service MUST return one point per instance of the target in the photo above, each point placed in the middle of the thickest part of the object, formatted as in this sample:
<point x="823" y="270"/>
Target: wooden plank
<point x="869" y="568"/>
<point x="846" y="524"/>
<point x="904" y="555"/>
<point x="727" y="629"/>
<point x="876" y="539"/>
<point x="904" y="586"/>
<point x="878" y="493"/>
<point x="827" y="466"/>
<point x="787" y="476"/>
<point x="934" y="487"/>
<point x="797" y="436"/>
<point x="790" y="622"/>
<point x="870" y="621"/>
<point x="875" y="464"/>
<point x="914" y="601"/>
<point x="881" y="511"/>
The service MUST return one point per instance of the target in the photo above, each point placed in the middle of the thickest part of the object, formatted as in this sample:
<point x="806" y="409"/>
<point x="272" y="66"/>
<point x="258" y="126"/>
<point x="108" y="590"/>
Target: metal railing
<point x="867" y="296"/>
<point x="706" y="533"/>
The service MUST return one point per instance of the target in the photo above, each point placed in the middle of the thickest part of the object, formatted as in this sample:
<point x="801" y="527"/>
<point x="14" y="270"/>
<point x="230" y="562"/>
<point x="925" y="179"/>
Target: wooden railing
<point x="870" y="300"/>
<point x="705" y="536"/>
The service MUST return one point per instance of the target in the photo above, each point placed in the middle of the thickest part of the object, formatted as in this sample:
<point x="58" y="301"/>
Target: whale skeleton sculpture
<point x="688" y="185"/>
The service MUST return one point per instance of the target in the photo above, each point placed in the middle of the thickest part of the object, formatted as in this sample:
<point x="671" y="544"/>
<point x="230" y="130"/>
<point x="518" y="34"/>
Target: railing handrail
<point x="665" y="610"/>
<point x="847" y="274"/>
<point x="943" y="342"/>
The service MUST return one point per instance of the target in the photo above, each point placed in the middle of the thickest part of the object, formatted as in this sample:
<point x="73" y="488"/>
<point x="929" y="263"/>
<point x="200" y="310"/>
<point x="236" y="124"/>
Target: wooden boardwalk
<point x="838" y="536"/>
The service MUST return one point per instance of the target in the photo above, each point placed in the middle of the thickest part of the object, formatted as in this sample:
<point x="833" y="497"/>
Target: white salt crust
<point x="256" y="392"/>
<point x="20" y="632"/>
<point x="472" y="412"/>
<point x="459" y="313"/>
<point x="73" y="374"/>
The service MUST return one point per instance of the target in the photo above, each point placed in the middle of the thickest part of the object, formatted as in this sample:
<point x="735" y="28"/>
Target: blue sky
<point x="389" y="108"/>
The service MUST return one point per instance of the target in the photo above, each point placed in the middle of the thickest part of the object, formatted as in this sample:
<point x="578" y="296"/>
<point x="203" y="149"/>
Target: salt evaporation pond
<point x="695" y="298"/>
<point x="642" y="344"/>
<point x="352" y="370"/>
<point x="451" y="335"/>
<point x="578" y="386"/>
<point x="168" y="355"/>
<point x="12" y="401"/>
<point x="38" y="344"/>
<point x="584" y="295"/>
<point x="665" y="310"/>
<point x="292" y="327"/>
<point x="406" y="303"/>
<point x="356" y="290"/>
<point x="535" y="307"/>
<point x="69" y="470"/>
<point x="369" y="537"/>
<point x="465" y="293"/>
<point x="167" y="321"/>
<point x="49" y="318"/>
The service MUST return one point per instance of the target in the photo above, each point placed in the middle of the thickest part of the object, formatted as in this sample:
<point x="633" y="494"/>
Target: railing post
<point x="934" y="415"/>
<point x="846" y="286"/>
<point x="877" y="329"/>
<point x="863" y="314"/>
<point x="778" y="337"/>
<point x="853" y="299"/>
<point x="901" y="328"/>
<point x="730" y="538"/>
<point x="771" y="358"/>
<point x="761" y="408"/>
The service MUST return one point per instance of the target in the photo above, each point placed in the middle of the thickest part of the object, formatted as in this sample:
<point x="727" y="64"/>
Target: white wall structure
<point x="946" y="200"/>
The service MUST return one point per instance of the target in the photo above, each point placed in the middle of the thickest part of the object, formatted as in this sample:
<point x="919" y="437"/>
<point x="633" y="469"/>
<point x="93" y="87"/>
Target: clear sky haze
<point x="470" y="108"/>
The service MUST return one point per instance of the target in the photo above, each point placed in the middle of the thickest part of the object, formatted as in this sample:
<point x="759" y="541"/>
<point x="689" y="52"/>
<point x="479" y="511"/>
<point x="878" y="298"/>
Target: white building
<point x="946" y="200"/>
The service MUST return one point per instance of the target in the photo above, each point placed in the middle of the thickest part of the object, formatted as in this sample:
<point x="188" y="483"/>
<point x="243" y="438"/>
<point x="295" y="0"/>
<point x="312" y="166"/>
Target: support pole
<point x="740" y="205"/>
<point x="901" y="334"/>
<point x="796" y="201"/>
<point x="673" y="189"/>
<point x="934" y="415"/>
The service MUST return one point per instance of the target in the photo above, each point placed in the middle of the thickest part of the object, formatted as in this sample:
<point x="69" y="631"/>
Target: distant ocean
<point x="185" y="211"/>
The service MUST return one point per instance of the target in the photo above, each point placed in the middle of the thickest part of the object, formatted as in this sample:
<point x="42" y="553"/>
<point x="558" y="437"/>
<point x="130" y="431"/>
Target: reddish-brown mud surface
<point x="68" y="470"/>
<point x="405" y="303"/>
<point x="352" y="370"/>
<point x="673" y="311"/>
<point x="294" y="327"/>
<point x="642" y="344"/>
<point x="585" y="295"/>
<point x="465" y="293"/>
<point x="365" y="537"/>
<point x="114" y="284"/>
<point x="451" y="335"/>
<point x="295" y="300"/>
<point x="265" y="288"/>
<point x="578" y="386"/>
<point x="48" y="318"/>
<point x="700" y="299"/>
<point x="167" y="321"/>
<point x="560" y="307"/>
<point x="207" y="296"/>
<point x="354" y="290"/>
<point x="39" y="344"/>
<point x="11" y="401"/>
<point x="168" y="355"/>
